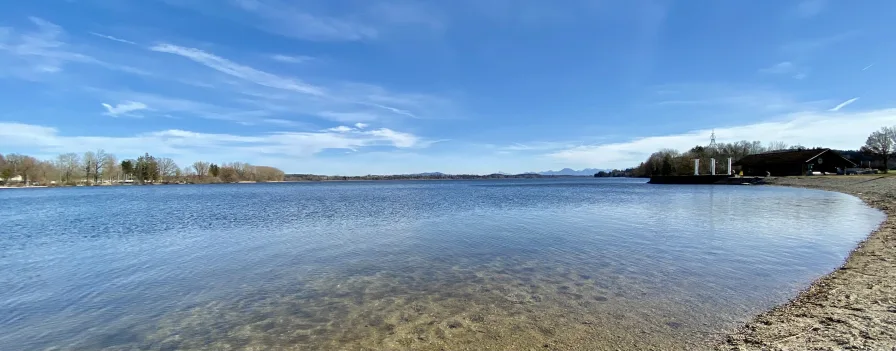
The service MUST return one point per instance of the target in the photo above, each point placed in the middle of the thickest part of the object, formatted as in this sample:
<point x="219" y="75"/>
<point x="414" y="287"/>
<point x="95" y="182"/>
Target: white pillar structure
<point x="712" y="166"/>
<point x="730" y="170"/>
<point x="696" y="166"/>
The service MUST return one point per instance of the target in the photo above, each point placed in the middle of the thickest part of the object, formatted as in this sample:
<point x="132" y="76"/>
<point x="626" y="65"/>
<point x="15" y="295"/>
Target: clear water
<point x="511" y="264"/>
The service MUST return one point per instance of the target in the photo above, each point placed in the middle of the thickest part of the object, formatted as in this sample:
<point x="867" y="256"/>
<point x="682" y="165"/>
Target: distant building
<point x="793" y="162"/>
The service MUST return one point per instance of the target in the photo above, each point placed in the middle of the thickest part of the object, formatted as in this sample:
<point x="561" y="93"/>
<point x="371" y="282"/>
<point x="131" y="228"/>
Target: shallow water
<point x="512" y="264"/>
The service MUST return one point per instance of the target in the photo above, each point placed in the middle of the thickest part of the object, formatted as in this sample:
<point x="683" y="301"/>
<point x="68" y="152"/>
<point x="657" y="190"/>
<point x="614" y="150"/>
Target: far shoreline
<point x="328" y="180"/>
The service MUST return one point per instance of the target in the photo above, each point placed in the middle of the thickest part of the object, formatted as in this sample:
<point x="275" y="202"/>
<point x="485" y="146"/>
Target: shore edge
<point x="853" y="307"/>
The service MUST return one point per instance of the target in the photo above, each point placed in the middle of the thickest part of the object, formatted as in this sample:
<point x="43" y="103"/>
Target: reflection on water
<point x="467" y="265"/>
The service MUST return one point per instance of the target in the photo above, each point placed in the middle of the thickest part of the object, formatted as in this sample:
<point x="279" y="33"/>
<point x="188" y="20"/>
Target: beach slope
<point x="853" y="308"/>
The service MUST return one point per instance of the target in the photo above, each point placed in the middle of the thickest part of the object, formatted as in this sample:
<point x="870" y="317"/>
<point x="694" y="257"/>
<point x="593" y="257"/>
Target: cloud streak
<point x="246" y="73"/>
<point x="347" y="102"/>
<point x="844" y="104"/>
<point x="109" y="37"/>
<point x="291" y="59"/>
<point x="284" y="19"/>
<point x="786" y="68"/>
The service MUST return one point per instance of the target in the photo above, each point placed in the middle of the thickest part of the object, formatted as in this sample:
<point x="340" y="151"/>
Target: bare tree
<point x="201" y="168"/>
<point x="111" y="168"/>
<point x="777" y="145"/>
<point x="89" y="161"/>
<point x="881" y="143"/>
<point x="5" y="169"/>
<point x="21" y="165"/>
<point x="98" y="164"/>
<point x="45" y="171"/>
<point x="69" y="164"/>
<point x="167" y="168"/>
<point x="187" y="173"/>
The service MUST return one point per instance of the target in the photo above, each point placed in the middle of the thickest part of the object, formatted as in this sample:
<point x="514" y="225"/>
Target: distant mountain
<point x="587" y="172"/>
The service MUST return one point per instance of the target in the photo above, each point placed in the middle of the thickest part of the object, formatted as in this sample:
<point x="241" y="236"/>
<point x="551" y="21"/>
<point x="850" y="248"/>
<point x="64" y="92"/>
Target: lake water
<point x="585" y="264"/>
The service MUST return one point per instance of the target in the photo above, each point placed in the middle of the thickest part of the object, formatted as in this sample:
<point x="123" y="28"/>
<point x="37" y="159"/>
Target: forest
<point x="877" y="152"/>
<point x="102" y="168"/>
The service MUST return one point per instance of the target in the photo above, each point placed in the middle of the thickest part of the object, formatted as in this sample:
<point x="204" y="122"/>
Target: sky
<point x="354" y="87"/>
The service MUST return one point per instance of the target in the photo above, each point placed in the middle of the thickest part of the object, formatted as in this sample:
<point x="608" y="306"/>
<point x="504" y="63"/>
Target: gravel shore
<point x="853" y="308"/>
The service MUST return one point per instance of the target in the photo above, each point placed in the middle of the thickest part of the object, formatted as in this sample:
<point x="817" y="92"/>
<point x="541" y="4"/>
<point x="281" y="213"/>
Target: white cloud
<point x="124" y="108"/>
<point x="839" y="131"/>
<point x="291" y="59"/>
<point x="189" y="145"/>
<point x="109" y="37"/>
<point x="360" y="125"/>
<point x="398" y="139"/>
<point x="341" y="129"/>
<point x="868" y="67"/>
<point x="243" y="72"/>
<point x="844" y="104"/>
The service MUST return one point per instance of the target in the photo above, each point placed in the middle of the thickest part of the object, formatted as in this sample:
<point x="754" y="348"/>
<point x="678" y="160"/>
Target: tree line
<point x="99" y="167"/>
<point x="879" y="146"/>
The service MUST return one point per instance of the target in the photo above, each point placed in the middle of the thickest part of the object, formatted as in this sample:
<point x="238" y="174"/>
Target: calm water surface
<point x="512" y="264"/>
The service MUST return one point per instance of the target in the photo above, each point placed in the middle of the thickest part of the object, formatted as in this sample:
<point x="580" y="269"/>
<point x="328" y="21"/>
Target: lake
<point x="424" y="265"/>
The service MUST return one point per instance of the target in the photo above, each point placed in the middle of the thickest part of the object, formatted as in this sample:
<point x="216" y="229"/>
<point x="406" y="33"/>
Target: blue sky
<point x="464" y="86"/>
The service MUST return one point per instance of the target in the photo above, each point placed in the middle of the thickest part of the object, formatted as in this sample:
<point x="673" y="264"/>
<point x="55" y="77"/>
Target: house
<point x="793" y="162"/>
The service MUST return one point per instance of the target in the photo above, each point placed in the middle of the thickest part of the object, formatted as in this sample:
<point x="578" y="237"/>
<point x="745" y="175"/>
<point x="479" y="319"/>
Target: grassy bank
<point x="854" y="307"/>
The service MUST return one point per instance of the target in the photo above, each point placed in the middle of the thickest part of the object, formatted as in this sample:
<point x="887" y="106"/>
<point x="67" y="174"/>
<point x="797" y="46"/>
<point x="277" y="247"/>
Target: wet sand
<point x="853" y="308"/>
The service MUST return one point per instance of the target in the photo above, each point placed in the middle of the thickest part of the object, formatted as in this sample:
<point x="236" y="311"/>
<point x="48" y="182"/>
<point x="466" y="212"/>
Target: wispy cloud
<point x="124" y="108"/>
<point x="160" y="105"/>
<point x="868" y="67"/>
<point x="44" y="50"/>
<point x="291" y="59"/>
<point x="538" y="146"/>
<point x="240" y="71"/>
<point x="840" y="131"/>
<point x="349" y="116"/>
<point x="109" y="37"/>
<point x="339" y="101"/>
<point x="786" y="68"/>
<point x="734" y="98"/>
<point x="360" y="125"/>
<point x="810" y="8"/>
<point x="286" y="19"/>
<point x="844" y="104"/>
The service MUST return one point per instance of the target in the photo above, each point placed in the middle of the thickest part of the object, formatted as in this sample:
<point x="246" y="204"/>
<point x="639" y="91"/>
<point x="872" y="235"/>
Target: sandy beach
<point x="854" y="307"/>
